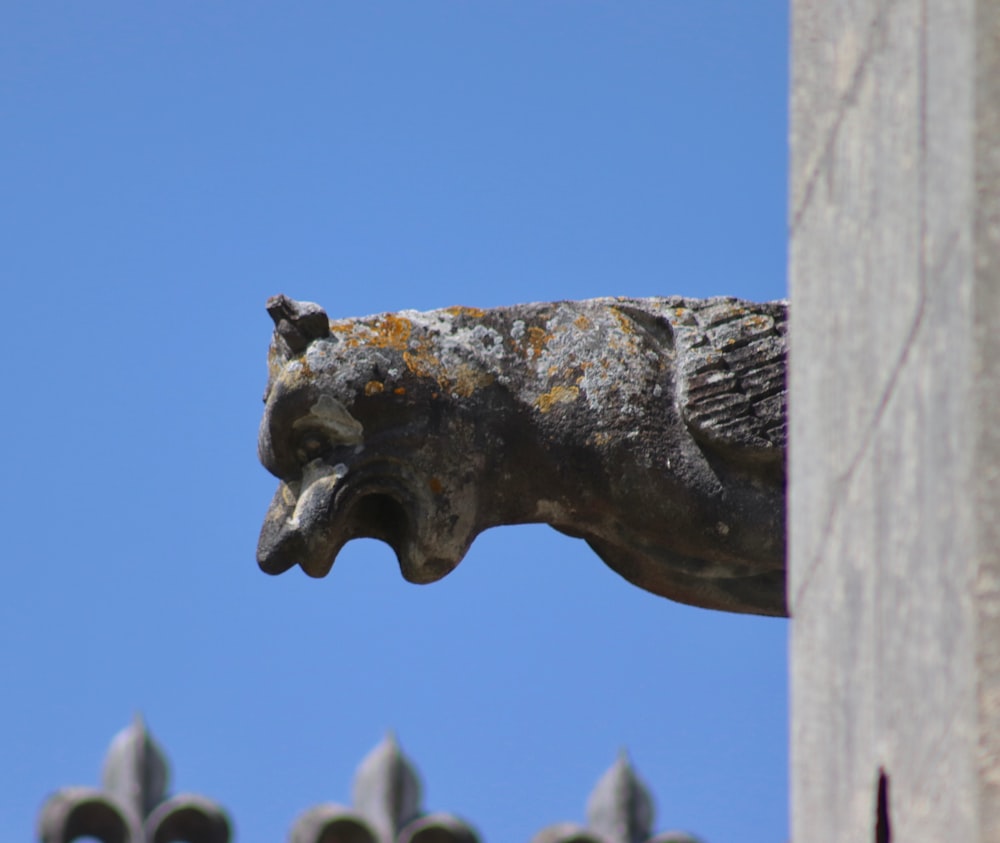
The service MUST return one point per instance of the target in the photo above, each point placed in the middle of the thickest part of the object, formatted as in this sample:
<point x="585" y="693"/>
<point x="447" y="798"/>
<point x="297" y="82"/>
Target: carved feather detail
<point x="731" y="358"/>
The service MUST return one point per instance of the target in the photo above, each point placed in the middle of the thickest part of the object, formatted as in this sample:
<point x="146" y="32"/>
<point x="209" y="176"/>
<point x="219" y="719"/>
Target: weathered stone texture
<point x="653" y="428"/>
<point x="895" y="419"/>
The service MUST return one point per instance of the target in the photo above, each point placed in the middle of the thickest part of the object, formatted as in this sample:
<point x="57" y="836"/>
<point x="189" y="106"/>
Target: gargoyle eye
<point x="311" y="445"/>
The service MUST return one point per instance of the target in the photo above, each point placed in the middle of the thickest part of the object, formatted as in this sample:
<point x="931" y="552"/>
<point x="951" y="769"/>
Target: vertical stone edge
<point x="986" y="306"/>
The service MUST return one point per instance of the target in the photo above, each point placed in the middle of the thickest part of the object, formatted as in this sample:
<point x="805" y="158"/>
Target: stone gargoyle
<point x="652" y="428"/>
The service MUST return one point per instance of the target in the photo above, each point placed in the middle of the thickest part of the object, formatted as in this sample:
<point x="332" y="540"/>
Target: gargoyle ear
<point x="296" y="324"/>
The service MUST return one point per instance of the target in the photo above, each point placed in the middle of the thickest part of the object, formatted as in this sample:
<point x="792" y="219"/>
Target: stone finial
<point x="386" y="808"/>
<point x="619" y="810"/>
<point x="132" y="806"/>
<point x="135" y="769"/>
<point x="386" y="787"/>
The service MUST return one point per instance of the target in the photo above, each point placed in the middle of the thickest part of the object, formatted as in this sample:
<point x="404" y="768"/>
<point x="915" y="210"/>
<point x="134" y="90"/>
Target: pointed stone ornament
<point x="135" y="768"/>
<point x="132" y="806"/>
<point x="386" y="788"/>
<point x="387" y="808"/>
<point x="619" y="810"/>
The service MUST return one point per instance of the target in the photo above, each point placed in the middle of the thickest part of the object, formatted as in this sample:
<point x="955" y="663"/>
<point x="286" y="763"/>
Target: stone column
<point x="895" y="420"/>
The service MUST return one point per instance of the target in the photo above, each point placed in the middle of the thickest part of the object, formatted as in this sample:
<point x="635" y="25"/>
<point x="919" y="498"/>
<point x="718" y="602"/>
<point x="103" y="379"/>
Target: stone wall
<point x="895" y="401"/>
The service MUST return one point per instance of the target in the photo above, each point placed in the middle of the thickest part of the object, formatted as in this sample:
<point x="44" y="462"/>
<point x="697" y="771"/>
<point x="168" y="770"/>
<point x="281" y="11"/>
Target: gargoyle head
<point x="362" y="425"/>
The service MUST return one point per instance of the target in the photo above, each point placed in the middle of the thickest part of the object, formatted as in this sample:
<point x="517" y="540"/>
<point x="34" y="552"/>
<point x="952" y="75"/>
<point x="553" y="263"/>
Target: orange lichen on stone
<point x="421" y="362"/>
<point x="582" y="322"/>
<point x="624" y="322"/>
<point x="600" y="438"/>
<point x="436" y="486"/>
<point x="537" y="339"/>
<point x="466" y="380"/>
<point x="391" y="331"/>
<point x="759" y="321"/>
<point x="374" y="387"/>
<point x="462" y="379"/>
<point x="388" y="331"/>
<point x="348" y="330"/>
<point x="557" y="395"/>
<point x="400" y="390"/>
<point x="459" y="310"/>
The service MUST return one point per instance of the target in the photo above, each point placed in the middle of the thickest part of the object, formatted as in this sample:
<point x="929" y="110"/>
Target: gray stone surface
<point x="652" y="428"/>
<point x="133" y="805"/>
<point x="894" y="580"/>
<point x="387" y="808"/>
<point x="620" y="810"/>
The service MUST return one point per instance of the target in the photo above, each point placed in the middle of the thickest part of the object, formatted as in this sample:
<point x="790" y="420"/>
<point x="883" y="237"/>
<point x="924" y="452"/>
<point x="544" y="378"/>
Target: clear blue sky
<point x="164" y="168"/>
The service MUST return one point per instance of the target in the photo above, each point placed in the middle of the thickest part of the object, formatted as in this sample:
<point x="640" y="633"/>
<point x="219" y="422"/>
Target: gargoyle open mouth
<point x="310" y="521"/>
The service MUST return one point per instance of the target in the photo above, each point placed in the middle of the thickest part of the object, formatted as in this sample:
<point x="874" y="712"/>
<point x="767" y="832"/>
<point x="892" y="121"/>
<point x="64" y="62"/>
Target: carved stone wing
<point x="731" y="358"/>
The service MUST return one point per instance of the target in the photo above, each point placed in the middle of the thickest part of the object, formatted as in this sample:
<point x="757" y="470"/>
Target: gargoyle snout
<point x="279" y="547"/>
<point x="293" y="530"/>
